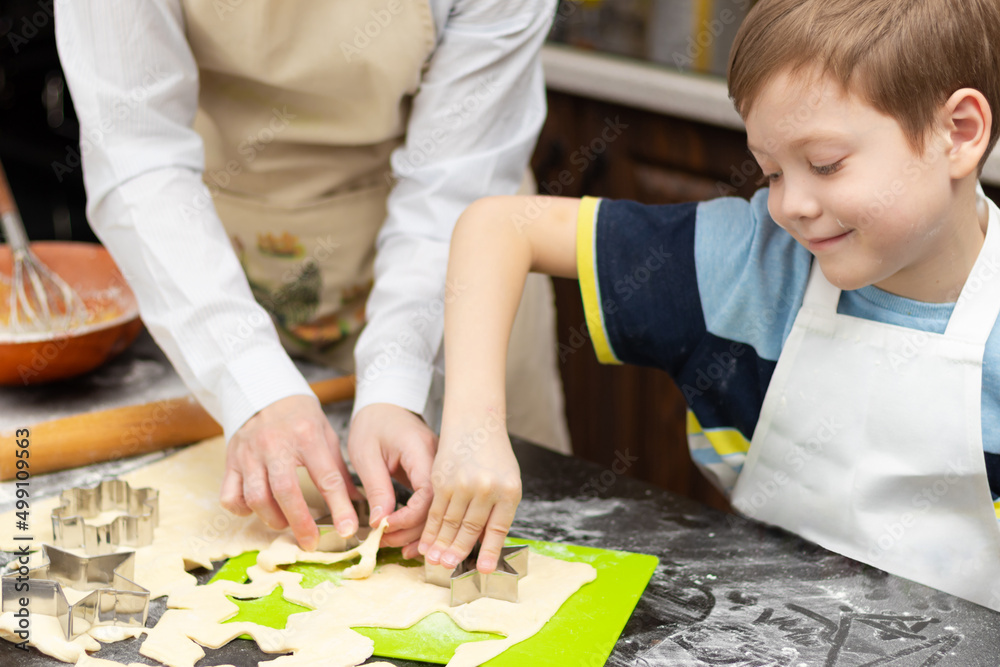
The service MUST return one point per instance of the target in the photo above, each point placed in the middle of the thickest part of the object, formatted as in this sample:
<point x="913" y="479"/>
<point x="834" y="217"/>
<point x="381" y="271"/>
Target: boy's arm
<point x="454" y="153"/>
<point x="476" y="479"/>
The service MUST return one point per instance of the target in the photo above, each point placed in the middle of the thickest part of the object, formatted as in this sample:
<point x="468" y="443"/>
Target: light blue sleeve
<point x="751" y="273"/>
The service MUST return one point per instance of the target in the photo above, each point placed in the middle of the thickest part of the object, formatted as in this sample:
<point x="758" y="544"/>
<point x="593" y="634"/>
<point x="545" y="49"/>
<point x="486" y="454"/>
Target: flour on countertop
<point x="564" y="520"/>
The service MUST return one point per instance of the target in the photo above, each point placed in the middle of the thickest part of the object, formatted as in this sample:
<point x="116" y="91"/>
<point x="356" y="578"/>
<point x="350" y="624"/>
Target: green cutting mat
<point x="583" y="632"/>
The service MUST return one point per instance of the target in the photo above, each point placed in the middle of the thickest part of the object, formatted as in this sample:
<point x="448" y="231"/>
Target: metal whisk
<point x="40" y="301"/>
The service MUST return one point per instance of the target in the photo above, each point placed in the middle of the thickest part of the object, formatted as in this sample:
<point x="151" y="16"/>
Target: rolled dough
<point x="194" y="531"/>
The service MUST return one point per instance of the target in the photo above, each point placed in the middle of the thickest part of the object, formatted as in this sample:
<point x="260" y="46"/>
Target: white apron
<point x="869" y="441"/>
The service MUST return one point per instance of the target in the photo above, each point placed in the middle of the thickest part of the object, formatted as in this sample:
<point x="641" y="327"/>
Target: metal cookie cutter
<point x="468" y="584"/>
<point x="114" y="598"/>
<point x="133" y="529"/>
<point x="330" y="540"/>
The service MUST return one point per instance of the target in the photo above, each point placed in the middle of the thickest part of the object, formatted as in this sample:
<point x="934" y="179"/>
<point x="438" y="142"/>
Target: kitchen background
<point x="39" y="134"/>
<point x="690" y="35"/>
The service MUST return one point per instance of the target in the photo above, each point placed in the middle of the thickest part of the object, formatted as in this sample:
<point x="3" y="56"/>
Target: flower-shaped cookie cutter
<point x="114" y="597"/>
<point x="468" y="584"/>
<point x="133" y="529"/>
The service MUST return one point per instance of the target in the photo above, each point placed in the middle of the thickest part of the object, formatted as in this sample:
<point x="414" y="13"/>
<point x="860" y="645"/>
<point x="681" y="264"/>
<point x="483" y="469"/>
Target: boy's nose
<point x="798" y="203"/>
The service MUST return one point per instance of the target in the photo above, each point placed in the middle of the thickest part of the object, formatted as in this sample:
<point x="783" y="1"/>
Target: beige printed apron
<point x="301" y="104"/>
<point x="870" y="444"/>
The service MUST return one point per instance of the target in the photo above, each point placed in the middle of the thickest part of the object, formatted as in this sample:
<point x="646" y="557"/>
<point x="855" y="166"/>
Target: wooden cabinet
<point x="630" y="418"/>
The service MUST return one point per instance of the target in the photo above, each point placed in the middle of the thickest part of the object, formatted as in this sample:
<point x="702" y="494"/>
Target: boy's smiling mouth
<point x="827" y="242"/>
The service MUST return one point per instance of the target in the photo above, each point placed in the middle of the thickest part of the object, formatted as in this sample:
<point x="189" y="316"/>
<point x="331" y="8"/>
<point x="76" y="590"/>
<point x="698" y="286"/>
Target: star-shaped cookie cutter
<point x="114" y="597"/>
<point x="132" y="529"/>
<point x="468" y="584"/>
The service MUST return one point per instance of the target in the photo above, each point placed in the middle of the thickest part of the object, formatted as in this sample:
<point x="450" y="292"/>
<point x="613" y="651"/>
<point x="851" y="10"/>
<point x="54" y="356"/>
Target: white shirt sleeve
<point x="474" y="124"/>
<point x="134" y="84"/>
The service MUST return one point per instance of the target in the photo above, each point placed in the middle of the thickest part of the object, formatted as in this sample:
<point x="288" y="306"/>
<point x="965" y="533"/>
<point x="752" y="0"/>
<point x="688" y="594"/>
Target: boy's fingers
<point x="494" y="536"/>
<point x="476" y="516"/>
<point x="434" y="518"/>
<point x="451" y="523"/>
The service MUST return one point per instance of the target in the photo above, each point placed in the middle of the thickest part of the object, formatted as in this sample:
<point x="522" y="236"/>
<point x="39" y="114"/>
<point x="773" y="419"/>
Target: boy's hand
<point x="477" y="486"/>
<point x="261" y="463"/>
<point x="387" y="441"/>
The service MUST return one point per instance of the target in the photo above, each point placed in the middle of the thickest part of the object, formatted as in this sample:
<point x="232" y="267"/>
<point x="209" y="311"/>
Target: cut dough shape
<point x="194" y="530"/>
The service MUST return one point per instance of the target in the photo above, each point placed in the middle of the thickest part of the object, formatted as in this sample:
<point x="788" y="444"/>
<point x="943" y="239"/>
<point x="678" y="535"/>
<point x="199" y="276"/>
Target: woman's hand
<point x="385" y="442"/>
<point x="261" y="462"/>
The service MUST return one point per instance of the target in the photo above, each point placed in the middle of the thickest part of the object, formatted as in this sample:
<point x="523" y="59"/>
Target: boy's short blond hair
<point x="904" y="57"/>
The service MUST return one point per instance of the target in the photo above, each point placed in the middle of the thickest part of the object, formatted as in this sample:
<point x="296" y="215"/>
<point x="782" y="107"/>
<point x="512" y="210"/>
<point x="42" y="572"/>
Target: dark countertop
<point x="727" y="591"/>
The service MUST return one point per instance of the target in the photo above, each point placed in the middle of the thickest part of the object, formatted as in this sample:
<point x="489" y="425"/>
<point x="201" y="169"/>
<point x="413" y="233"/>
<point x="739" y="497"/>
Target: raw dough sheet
<point x="194" y="530"/>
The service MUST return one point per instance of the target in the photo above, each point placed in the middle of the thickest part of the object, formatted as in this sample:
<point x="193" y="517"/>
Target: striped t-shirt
<point x="708" y="292"/>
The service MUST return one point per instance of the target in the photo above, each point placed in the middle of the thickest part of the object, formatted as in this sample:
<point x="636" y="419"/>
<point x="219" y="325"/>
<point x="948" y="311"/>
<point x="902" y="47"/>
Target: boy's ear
<point x="968" y="121"/>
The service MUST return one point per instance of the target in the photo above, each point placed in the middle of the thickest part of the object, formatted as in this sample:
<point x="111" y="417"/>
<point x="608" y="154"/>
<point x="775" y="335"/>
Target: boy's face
<point x="848" y="186"/>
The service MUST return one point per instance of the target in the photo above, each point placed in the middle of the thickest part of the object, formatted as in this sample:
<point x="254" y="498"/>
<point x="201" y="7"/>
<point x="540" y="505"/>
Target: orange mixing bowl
<point x="112" y="317"/>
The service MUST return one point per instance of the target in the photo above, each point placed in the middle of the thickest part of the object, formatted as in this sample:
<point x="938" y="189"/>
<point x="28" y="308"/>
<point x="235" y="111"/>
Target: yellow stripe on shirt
<point x="996" y="508"/>
<point x="693" y="425"/>
<point x="724" y="441"/>
<point x="728" y="441"/>
<point x="586" y="268"/>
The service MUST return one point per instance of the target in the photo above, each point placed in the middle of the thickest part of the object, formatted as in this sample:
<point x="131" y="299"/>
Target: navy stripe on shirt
<point x="654" y="316"/>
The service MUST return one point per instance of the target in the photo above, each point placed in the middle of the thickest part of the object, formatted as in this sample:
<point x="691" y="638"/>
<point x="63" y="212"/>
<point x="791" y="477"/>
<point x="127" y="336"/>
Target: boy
<point x="829" y="335"/>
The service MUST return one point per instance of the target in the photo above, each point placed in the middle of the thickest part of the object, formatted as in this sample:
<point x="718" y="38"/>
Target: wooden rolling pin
<point x="75" y="441"/>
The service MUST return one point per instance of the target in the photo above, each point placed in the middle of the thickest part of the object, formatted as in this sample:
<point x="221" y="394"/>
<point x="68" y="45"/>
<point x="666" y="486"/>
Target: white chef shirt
<point x="134" y="83"/>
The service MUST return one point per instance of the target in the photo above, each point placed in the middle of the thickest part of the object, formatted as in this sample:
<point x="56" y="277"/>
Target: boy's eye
<point x="828" y="169"/>
<point x="768" y="178"/>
